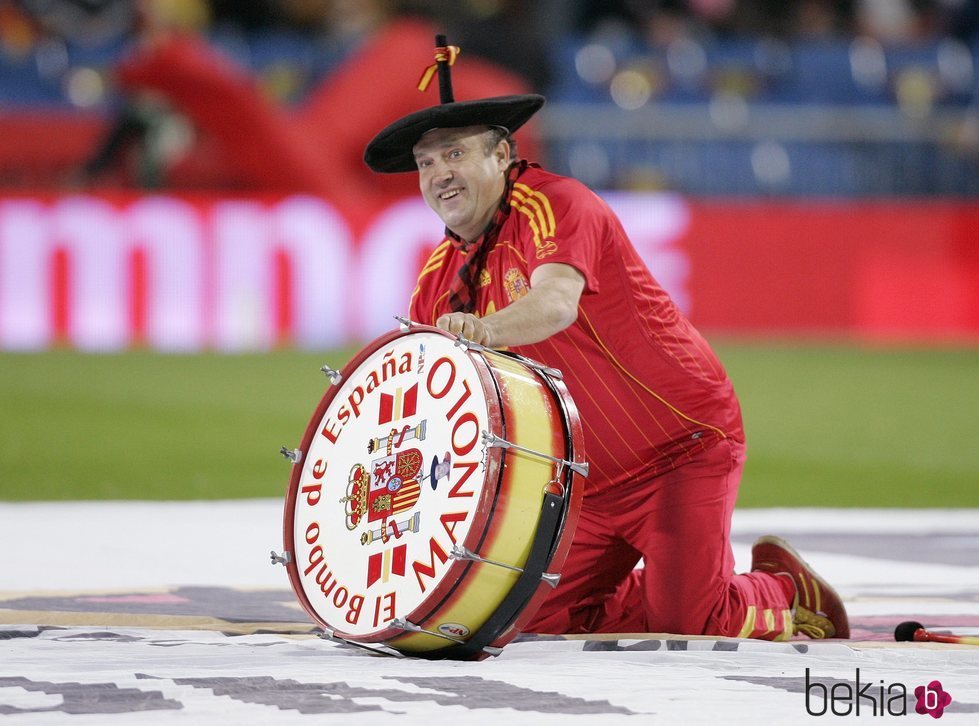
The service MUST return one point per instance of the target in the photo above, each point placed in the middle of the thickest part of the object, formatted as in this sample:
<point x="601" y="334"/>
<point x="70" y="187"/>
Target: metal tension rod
<point x="530" y="363"/>
<point x="461" y="553"/>
<point x="492" y="440"/>
<point x="378" y="649"/>
<point x="412" y="628"/>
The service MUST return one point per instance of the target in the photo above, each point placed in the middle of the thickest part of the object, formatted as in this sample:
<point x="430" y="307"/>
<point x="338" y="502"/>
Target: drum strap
<point x="541" y="553"/>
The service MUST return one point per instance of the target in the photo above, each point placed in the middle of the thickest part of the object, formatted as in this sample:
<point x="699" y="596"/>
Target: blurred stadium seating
<point x="845" y="117"/>
<point x="729" y="114"/>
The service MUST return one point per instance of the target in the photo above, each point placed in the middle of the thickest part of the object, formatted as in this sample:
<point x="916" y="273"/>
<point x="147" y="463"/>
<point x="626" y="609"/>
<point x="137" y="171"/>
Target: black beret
<point x="391" y="150"/>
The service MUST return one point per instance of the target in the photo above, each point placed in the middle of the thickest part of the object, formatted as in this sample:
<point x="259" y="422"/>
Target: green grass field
<point x="828" y="424"/>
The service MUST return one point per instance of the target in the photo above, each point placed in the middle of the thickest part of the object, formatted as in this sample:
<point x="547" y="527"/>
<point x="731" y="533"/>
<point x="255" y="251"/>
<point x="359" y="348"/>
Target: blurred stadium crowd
<point x="851" y="98"/>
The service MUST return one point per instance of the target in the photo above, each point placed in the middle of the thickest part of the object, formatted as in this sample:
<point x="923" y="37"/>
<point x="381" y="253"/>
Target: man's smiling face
<point x="459" y="179"/>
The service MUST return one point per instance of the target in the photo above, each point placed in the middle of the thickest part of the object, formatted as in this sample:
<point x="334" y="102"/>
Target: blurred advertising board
<point x="186" y="273"/>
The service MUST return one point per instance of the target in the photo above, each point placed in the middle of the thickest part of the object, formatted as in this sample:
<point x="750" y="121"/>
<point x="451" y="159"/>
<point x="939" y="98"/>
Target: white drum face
<point x="392" y="479"/>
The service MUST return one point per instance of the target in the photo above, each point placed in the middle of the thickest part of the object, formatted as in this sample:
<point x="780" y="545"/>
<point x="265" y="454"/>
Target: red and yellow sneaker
<point x="817" y="610"/>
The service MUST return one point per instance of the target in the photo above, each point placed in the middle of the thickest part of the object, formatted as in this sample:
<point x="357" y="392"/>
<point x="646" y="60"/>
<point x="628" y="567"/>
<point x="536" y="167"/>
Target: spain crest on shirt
<point x="515" y="283"/>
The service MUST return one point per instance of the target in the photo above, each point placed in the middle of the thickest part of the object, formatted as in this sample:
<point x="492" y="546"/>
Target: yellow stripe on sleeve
<point x="547" y="213"/>
<point x="533" y="221"/>
<point x="528" y="201"/>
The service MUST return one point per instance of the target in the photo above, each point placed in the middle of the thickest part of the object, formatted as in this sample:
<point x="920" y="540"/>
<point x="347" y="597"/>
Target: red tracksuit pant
<point x="679" y="524"/>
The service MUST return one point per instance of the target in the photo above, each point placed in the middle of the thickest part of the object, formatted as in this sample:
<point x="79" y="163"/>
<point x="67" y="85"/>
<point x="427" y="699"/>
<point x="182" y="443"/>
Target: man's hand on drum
<point x="468" y="326"/>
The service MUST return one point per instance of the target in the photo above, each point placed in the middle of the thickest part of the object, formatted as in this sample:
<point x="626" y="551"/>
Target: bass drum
<point x="434" y="496"/>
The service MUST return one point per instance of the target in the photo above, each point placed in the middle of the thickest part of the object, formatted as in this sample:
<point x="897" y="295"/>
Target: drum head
<point x="392" y="478"/>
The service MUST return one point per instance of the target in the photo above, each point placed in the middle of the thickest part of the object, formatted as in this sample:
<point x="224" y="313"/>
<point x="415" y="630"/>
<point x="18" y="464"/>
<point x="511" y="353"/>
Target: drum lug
<point x="551" y="578"/>
<point x="461" y="342"/>
<point x="461" y="553"/>
<point x="334" y="375"/>
<point x="412" y="628"/>
<point x="578" y="467"/>
<point x="293" y="455"/>
<point x="284" y="559"/>
<point x="404" y="323"/>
